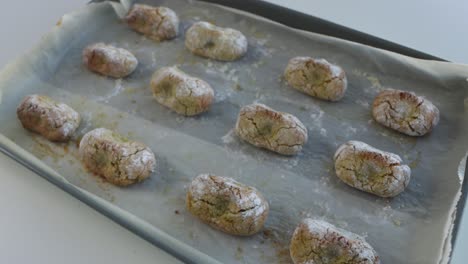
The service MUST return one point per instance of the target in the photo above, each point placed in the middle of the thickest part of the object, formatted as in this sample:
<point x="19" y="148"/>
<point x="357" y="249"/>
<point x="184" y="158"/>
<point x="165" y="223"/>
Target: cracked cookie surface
<point x="405" y="112"/>
<point x="371" y="170"/>
<point x="227" y="205"/>
<point x="109" y="60"/>
<point x="184" y="94"/>
<point x="115" y="158"/>
<point x="157" y="23"/>
<point x="266" y="128"/>
<point x="316" y="77"/>
<point x="319" y="242"/>
<point x="207" y="40"/>
<point x="43" y="115"/>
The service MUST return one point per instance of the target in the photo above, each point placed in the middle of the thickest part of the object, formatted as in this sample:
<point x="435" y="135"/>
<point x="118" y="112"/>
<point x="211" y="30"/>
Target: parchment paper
<point x="412" y="228"/>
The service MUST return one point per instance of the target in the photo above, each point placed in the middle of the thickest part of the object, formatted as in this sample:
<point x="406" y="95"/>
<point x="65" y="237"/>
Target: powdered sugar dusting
<point x="375" y="87"/>
<point x="229" y="137"/>
<point x="204" y="185"/>
<point x="405" y="112"/>
<point x="320" y="234"/>
<point x="59" y="121"/>
<point x="362" y="103"/>
<point x="116" y="90"/>
<point x="109" y="60"/>
<point x="118" y="160"/>
<point x="323" y="132"/>
<point x="181" y="92"/>
<point x="317" y="118"/>
<point x="208" y="40"/>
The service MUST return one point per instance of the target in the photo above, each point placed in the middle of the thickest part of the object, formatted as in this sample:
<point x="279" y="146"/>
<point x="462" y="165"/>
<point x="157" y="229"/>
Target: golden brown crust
<point x="181" y="92"/>
<point x="207" y="40"/>
<point x="316" y="77"/>
<point x="371" y="170"/>
<point x="405" y="112"/>
<point x="109" y="61"/>
<point x="53" y="120"/>
<point x="227" y="205"/>
<point x="264" y="127"/>
<point x="318" y="242"/>
<point x="157" y="23"/>
<point x="116" y="159"/>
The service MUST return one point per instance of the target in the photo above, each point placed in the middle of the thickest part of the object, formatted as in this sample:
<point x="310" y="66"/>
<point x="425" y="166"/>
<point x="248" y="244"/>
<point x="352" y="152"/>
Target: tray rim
<point x="311" y="23"/>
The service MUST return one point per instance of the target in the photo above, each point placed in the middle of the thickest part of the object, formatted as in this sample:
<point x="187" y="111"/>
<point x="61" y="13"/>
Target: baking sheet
<point x="411" y="228"/>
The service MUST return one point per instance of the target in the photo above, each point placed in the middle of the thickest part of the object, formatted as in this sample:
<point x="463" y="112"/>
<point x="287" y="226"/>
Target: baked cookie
<point x="371" y="170"/>
<point x="316" y="77"/>
<point x="157" y="23"/>
<point x="109" y="61"/>
<point x="227" y="205"/>
<point x="319" y="242"/>
<point x="207" y="40"/>
<point x="53" y="120"/>
<point x="405" y="112"/>
<point x="115" y="158"/>
<point x="181" y="92"/>
<point x="266" y="128"/>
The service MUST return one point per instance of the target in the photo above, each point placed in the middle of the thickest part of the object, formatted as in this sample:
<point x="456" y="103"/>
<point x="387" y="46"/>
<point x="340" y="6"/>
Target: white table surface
<point x="43" y="224"/>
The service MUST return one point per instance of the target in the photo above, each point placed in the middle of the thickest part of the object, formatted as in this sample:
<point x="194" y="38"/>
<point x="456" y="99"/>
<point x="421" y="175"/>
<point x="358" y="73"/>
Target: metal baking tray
<point x="53" y="67"/>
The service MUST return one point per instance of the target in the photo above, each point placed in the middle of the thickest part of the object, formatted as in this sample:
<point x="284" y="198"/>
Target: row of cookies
<point x="124" y="162"/>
